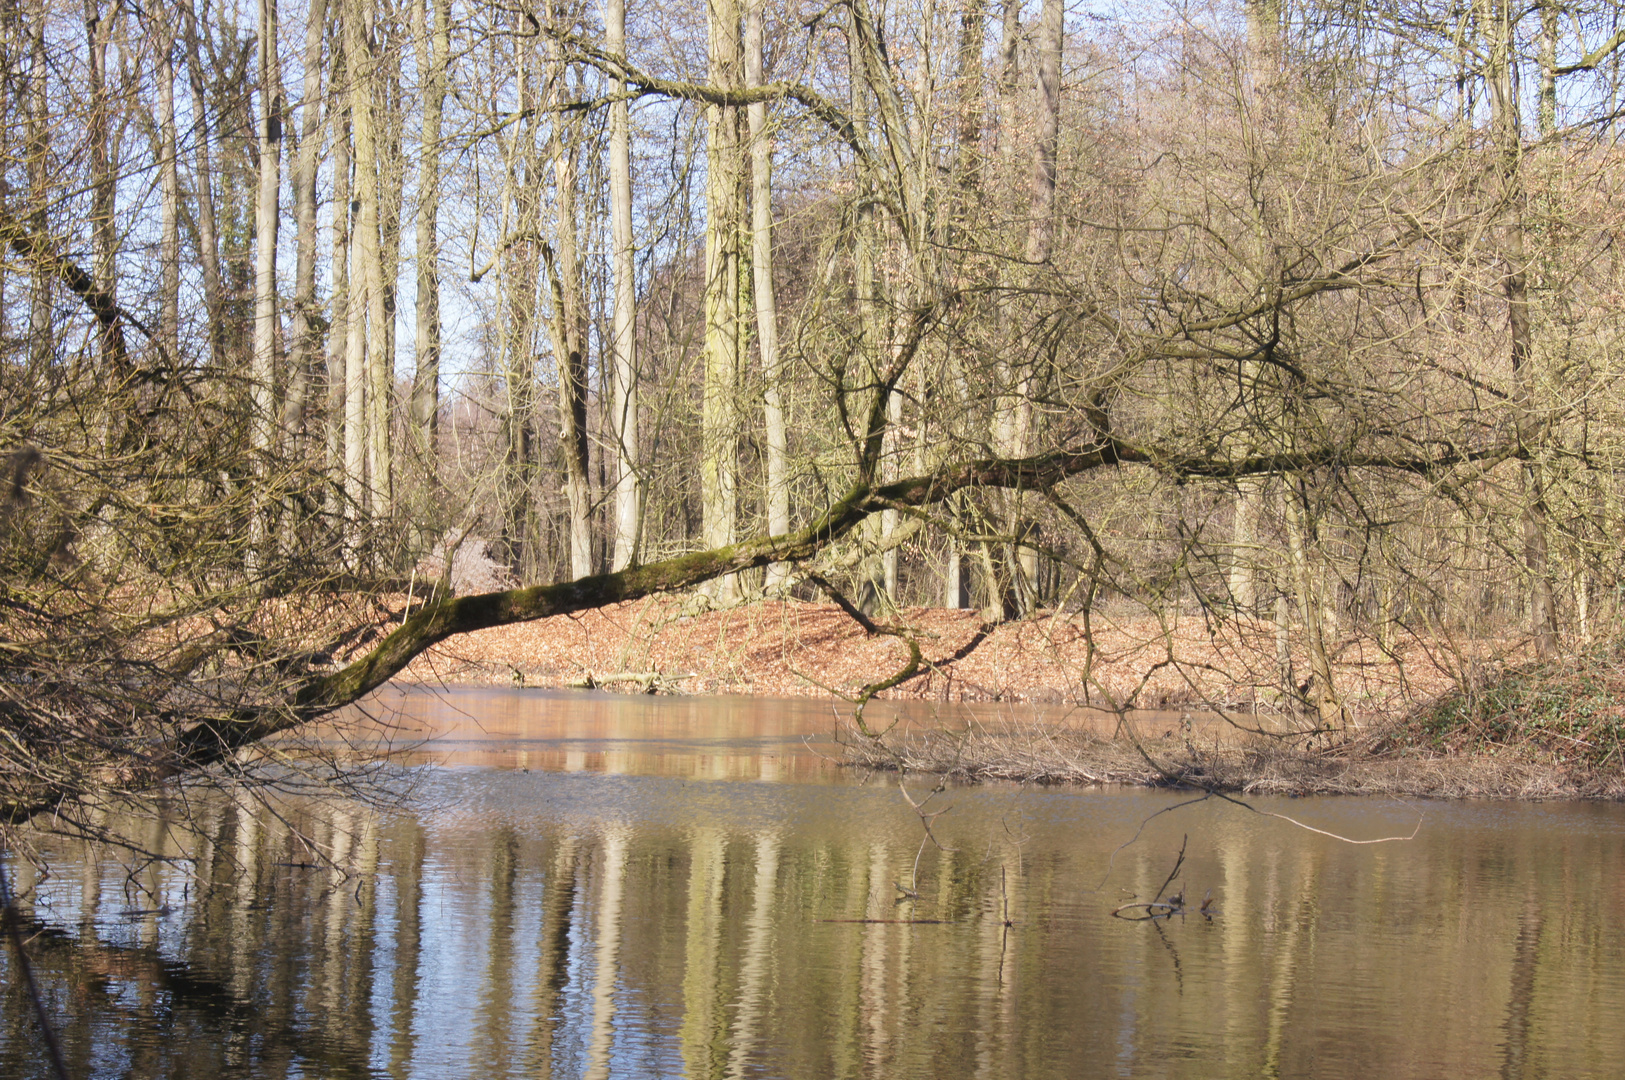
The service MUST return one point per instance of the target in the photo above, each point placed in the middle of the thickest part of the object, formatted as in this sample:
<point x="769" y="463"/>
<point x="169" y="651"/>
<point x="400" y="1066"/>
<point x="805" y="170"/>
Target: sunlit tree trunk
<point x="38" y="148"/>
<point x="569" y="334"/>
<point x="262" y="373"/>
<point x="356" y="420"/>
<point x="1507" y="132"/>
<point x="203" y="180"/>
<point x="389" y="120"/>
<point x="307" y="337"/>
<point x="367" y="271"/>
<point x="970" y="122"/>
<point x="1311" y="607"/>
<point x="767" y="316"/>
<point x="1263" y="59"/>
<point x="433" y="49"/>
<point x="169" y="184"/>
<point x="866" y="291"/>
<point x="522" y="198"/>
<point x="99" y="27"/>
<point x="1013" y="411"/>
<point x="338" y="331"/>
<point x="623" y="321"/>
<point x="719" y="420"/>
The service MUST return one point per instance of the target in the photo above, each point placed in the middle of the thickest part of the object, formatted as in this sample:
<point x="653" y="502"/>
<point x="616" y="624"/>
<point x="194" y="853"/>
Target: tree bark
<point x="169" y="185"/>
<point x="99" y="28"/>
<point x="719" y="422"/>
<point x="433" y="51"/>
<point x="569" y="335"/>
<point x="307" y="338"/>
<point x="1311" y="608"/>
<point x="371" y="352"/>
<point x="262" y="373"/>
<point x="344" y="438"/>
<point x="767" y="316"/>
<point x="203" y="179"/>
<point x="623" y="321"/>
<point x="1508" y="135"/>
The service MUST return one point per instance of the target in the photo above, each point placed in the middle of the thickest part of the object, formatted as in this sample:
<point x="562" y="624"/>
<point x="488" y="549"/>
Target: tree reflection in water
<point x="547" y="924"/>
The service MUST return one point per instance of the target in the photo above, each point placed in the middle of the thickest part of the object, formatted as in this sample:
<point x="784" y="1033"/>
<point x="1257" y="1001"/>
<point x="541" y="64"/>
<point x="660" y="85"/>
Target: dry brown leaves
<point x="800" y="649"/>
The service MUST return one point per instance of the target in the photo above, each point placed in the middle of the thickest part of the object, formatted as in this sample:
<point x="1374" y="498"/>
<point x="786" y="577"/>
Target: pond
<point x="596" y="886"/>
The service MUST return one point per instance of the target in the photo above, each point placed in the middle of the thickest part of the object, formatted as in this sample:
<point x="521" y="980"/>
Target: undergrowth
<point x="1570" y="711"/>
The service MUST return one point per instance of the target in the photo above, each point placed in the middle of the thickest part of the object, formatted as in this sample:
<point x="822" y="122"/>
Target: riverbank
<point x="1383" y="762"/>
<point x="792" y="649"/>
<point x="1525" y="731"/>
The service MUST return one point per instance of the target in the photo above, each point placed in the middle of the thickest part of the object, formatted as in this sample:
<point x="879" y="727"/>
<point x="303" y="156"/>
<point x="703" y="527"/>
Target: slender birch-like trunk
<point x="1013" y="411"/>
<point x="971" y="115"/>
<point x="41" y="333"/>
<point x="623" y="321"/>
<point x="719" y="418"/>
<point x="307" y="336"/>
<point x="569" y="327"/>
<point x="389" y="121"/>
<point x="338" y="330"/>
<point x="433" y="51"/>
<point x="369" y="351"/>
<point x="1311" y="608"/>
<point x="357" y="420"/>
<point x="104" y="230"/>
<point x="208" y="241"/>
<point x="169" y="186"/>
<point x="262" y="372"/>
<point x="1508" y="135"/>
<point x="767" y="317"/>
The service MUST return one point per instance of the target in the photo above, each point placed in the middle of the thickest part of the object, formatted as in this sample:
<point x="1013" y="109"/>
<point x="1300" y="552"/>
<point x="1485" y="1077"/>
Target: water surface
<point x="597" y="886"/>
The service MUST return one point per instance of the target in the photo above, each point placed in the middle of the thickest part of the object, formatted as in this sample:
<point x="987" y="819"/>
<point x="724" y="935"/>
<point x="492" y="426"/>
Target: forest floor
<point x="1522" y="731"/>
<point x="792" y="649"/>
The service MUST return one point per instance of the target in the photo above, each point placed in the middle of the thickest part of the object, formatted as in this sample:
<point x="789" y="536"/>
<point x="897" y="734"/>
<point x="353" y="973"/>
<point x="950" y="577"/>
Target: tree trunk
<point x="719" y="421"/>
<point x="341" y="435"/>
<point x="1013" y="411"/>
<point x="767" y="317"/>
<point x="372" y="350"/>
<point x="357" y="438"/>
<point x="99" y="28"/>
<point x="169" y="184"/>
<point x="203" y="177"/>
<point x="389" y="121"/>
<point x="41" y="332"/>
<point x="1508" y="135"/>
<point x="569" y="336"/>
<point x="1311" y="608"/>
<point x="522" y="197"/>
<point x="262" y="374"/>
<point x="623" y="322"/>
<point x="307" y="336"/>
<point x="433" y="50"/>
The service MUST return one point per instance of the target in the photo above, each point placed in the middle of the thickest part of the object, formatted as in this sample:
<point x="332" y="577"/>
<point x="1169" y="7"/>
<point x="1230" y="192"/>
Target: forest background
<point x="1300" y="319"/>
